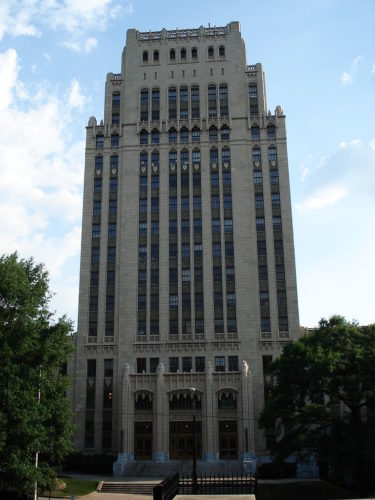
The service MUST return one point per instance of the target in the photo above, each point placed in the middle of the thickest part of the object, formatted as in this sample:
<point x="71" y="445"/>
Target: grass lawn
<point x="74" y="487"/>
<point x="302" y="490"/>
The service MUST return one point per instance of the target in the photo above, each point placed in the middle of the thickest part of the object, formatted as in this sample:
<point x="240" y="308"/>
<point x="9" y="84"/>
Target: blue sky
<point x="319" y="61"/>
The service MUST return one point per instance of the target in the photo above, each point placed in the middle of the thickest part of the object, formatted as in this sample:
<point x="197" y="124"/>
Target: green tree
<point x="34" y="349"/>
<point x="321" y="399"/>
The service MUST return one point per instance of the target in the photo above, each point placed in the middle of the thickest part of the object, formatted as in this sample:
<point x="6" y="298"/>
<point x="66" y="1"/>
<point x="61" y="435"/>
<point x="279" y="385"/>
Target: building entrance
<point x="181" y="440"/>
<point x="143" y="440"/>
<point x="228" y="439"/>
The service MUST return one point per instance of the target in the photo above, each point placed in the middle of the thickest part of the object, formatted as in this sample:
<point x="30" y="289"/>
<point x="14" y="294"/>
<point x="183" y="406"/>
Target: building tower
<point x="187" y="266"/>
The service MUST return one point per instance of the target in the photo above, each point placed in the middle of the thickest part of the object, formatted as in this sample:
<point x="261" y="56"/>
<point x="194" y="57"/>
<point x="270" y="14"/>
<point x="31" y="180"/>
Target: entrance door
<point x="228" y="439"/>
<point x="181" y="440"/>
<point x="143" y="441"/>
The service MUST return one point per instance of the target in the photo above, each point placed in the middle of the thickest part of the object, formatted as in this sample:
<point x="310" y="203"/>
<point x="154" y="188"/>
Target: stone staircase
<point x="128" y="487"/>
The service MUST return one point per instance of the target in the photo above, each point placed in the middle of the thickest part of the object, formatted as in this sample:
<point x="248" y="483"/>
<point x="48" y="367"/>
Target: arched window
<point x="99" y="141"/>
<point x="212" y="106"/>
<point x="194" y="53"/>
<point x="143" y="137"/>
<point x="145" y="56"/>
<point x="227" y="401"/>
<point x="255" y="133"/>
<point x="184" y="157"/>
<point x="172" y="157"/>
<point x="212" y="133"/>
<point x="143" y="158"/>
<point x="210" y="52"/>
<point x="142" y="402"/>
<point x="214" y="156"/>
<point x="156" y="56"/>
<point x="155" y="136"/>
<point x="183" y="54"/>
<point x="256" y="155"/>
<point x="184" y="402"/>
<point x="184" y="135"/>
<point x="223" y="98"/>
<point x="172" y="55"/>
<point x="172" y="136"/>
<point x="225" y="133"/>
<point x="115" y="140"/>
<point x="221" y="51"/>
<point x="225" y="155"/>
<point x="155" y="158"/>
<point x="271" y="132"/>
<point x="272" y="153"/>
<point x="196" y="157"/>
<point x="195" y="134"/>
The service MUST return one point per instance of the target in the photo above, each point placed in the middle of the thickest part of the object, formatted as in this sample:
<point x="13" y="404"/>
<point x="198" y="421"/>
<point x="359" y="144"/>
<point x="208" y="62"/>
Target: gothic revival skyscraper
<point x="187" y="267"/>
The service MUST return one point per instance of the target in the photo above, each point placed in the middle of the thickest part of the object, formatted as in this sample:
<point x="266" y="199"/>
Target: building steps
<point x="128" y="487"/>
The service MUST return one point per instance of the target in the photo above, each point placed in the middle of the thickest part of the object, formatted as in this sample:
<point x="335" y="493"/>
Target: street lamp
<point x="194" y="474"/>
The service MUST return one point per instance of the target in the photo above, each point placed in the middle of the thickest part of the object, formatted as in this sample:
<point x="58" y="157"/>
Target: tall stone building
<point x="187" y="266"/>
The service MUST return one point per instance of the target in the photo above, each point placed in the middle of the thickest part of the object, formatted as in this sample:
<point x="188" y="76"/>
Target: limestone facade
<point x="187" y="263"/>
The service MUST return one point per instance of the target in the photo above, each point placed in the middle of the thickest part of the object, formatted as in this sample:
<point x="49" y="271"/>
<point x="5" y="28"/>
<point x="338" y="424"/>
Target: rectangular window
<point x="111" y="256"/>
<point x="214" y="179"/>
<point x="185" y="227"/>
<point x="154" y="302"/>
<point x="173" y="365"/>
<point x="228" y="226"/>
<point x="154" y="363"/>
<point x="216" y="225"/>
<point x="110" y="277"/>
<point x="215" y="202"/>
<point x="142" y="206"/>
<point x="197" y="226"/>
<point x="262" y="249"/>
<point x="232" y="325"/>
<point x="200" y="364"/>
<point x="265" y="324"/>
<point x="112" y="230"/>
<point x="229" y="250"/>
<point x="91" y="368"/>
<point x="112" y="207"/>
<point x="197" y="204"/>
<point x="227" y="179"/>
<point x="185" y="203"/>
<point x="155" y="182"/>
<point x="141" y="365"/>
<point x="155" y="104"/>
<point x="97" y="207"/>
<point x="274" y="176"/>
<point x="154" y="276"/>
<point x="142" y="252"/>
<point x="173" y="276"/>
<point x="185" y="250"/>
<point x="141" y="302"/>
<point x="97" y="185"/>
<point x="198" y="275"/>
<point x="217" y="274"/>
<point x="199" y="326"/>
<point x="199" y="301"/>
<point x="220" y="363"/>
<point x="259" y="203"/>
<point x="227" y="199"/>
<point x="233" y="363"/>
<point x="155" y="205"/>
<point x="257" y="175"/>
<point x="184" y="103"/>
<point x="187" y="364"/>
<point x="173" y="181"/>
<point x="198" y="250"/>
<point x="173" y="204"/>
<point x="263" y="273"/>
<point x="173" y="301"/>
<point x="96" y="230"/>
<point x="142" y="276"/>
<point x="173" y="251"/>
<point x="144" y="105"/>
<point x="229" y="272"/>
<point x="231" y="299"/>
<point x="108" y="368"/>
<point x="155" y="252"/>
<point x="186" y="275"/>
<point x="216" y="249"/>
<point x="172" y="103"/>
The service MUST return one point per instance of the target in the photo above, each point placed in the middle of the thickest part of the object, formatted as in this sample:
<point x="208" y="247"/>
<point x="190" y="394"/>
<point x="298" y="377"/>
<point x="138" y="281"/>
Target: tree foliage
<point x="34" y="350"/>
<point x="321" y="399"/>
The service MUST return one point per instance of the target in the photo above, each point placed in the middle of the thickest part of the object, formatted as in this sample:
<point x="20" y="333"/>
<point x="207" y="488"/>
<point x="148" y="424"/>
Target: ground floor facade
<point x="158" y="410"/>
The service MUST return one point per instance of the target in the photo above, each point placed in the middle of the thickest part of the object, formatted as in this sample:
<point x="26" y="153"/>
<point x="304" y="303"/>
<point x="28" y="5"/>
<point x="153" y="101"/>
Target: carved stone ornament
<point x="114" y="171"/>
<point x="257" y="164"/>
<point x="214" y="166"/>
<point x="273" y="163"/>
<point x="196" y="166"/>
<point x="184" y="166"/>
<point x="98" y="171"/>
<point x="173" y="167"/>
<point x="155" y="168"/>
<point x="143" y="169"/>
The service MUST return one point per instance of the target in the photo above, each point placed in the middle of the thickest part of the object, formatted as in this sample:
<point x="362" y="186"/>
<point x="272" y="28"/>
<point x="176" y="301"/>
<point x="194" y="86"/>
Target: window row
<point x="115" y="141"/>
<point x="271" y="132"/>
<point x="179" y="102"/>
<point x="183" y="135"/>
<point x="182" y="55"/>
<point x="257" y="155"/>
<point x="185" y="157"/>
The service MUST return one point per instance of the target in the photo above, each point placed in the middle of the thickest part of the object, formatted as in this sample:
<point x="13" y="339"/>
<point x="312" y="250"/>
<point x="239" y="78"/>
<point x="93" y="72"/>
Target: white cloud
<point x="346" y="79"/>
<point x="372" y="144"/>
<point x="76" y="17"/>
<point x="305" y="172"/>
<point x="41" y="171"/>
<point x="47" y="56"/>
<point x="345" y="144"/>
<point x="76" y="99"/>
<point x="373" y="69"/>
<point x="356" y="61"/>
<point x="328" y="195"/>
<point x="129" y="8"/>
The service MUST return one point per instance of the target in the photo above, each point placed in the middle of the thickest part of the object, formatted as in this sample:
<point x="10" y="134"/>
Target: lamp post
<point x="194" y="474"/>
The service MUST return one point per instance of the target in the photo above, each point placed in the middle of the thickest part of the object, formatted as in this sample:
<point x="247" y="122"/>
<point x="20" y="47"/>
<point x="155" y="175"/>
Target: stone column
<point x="126" y="426"/>
<point x="160" y="454"/>
<point x="210" y="420"/>
<point x="248" y="418"/>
